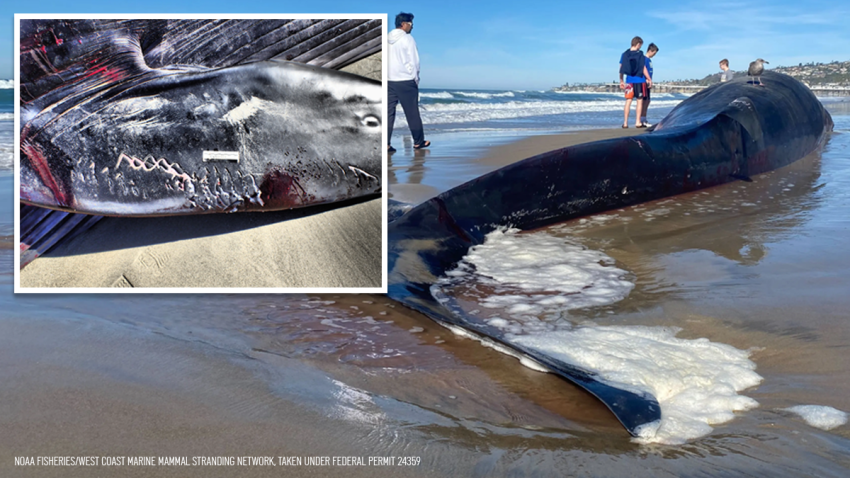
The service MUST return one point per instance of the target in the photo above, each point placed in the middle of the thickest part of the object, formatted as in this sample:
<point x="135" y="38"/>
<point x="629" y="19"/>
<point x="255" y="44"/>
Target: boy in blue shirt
<point x="651" y="50"/>
<point x="633" y="67"/>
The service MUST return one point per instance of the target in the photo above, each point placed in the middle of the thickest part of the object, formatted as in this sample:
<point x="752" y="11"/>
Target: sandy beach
<point x="356" y="375"/>
<point x="689" y="319"/>
<point x="334" y="246"/>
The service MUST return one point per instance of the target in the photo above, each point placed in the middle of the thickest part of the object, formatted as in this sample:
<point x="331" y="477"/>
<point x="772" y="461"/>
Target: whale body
<point x="728" y="132"/>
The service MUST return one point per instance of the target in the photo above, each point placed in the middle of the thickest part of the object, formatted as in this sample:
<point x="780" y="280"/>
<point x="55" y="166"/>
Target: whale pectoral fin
<point x="61" y="58"/>
<point x="330" y="43"/>
<point x="640" y="414"/>
<point x="744" y="112"/>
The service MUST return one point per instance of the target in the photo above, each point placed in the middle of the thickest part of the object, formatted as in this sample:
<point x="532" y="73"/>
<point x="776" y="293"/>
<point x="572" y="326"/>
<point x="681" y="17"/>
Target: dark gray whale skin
<point x="727" y="132"/>
<point x="132" y="117"/>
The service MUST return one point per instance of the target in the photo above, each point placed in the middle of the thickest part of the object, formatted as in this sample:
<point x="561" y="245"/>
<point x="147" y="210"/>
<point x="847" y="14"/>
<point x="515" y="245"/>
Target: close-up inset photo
<point x="200" y="154"/>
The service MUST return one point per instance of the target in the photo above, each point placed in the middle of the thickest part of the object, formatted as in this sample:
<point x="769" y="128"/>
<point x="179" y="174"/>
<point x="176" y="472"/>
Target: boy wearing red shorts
<point x="633" y="67"/>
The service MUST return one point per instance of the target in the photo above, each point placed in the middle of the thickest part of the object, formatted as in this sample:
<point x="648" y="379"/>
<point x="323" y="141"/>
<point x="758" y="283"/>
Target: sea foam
<point x="534" y="277"/>
<point x="818" y="416"/>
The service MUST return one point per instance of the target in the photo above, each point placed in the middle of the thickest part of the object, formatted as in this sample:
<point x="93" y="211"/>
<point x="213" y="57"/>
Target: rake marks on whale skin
<point x="223" y="190"/>
<point x="150" y="164"/>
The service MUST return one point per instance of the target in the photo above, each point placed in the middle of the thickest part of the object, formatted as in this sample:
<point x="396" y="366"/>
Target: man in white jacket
<point x="403" y="80"/>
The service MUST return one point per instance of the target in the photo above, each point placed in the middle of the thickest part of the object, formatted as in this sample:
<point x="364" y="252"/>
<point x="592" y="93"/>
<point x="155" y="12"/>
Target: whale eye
<point x="371" y="121"/>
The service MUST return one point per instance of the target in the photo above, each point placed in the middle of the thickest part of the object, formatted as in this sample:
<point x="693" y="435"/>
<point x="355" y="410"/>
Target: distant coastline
<point x="825" y="79"/>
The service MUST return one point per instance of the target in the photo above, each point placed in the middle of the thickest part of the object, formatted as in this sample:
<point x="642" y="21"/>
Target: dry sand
<point x="320" y="247"/>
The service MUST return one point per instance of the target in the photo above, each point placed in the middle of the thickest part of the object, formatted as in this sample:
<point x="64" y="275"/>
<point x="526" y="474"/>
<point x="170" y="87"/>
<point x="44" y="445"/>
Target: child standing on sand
<point x="633" y="67"/>
<point x="651" y="50"/>
<point x="725" y="73"/>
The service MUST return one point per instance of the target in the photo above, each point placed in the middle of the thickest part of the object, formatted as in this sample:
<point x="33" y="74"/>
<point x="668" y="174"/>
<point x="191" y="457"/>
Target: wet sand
<point x="76" y="388"/>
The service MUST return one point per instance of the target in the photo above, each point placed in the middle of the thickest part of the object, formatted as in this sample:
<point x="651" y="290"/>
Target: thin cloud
<point x="733" y="17"/>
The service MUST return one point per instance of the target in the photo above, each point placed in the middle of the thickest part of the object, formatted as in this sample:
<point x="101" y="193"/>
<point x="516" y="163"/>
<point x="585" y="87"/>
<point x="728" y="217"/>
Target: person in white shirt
<point x="403" y="80"/>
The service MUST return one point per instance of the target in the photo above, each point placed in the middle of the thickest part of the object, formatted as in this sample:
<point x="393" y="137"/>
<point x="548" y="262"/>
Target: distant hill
<point x="836" y="74"/>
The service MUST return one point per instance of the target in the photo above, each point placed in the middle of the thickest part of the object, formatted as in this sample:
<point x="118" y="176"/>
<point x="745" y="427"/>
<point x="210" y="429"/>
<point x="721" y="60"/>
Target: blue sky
<point x="527" y="44"/>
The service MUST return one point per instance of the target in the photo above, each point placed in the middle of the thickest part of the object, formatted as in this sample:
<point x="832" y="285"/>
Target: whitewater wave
<point x="7" y="116"/>
<point x="6" y="84"/>
<point x="617" y="94"/>
<point x="450" y="113"/>
<point x="599" y="93"/>
<point x="484" y="96"/>
<point x="442" y="95"/>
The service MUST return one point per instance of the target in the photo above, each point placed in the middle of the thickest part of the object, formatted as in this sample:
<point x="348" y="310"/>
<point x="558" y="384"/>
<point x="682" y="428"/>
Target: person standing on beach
<point x="633" y="67"/>
<point x="725" y="73"/>
<point x="403" y="80"/>
<point x="651" y="50"/>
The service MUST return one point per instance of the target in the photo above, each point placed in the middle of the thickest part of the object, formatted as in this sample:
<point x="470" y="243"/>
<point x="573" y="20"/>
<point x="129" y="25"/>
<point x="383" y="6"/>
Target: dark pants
<point x="406" y="93"/>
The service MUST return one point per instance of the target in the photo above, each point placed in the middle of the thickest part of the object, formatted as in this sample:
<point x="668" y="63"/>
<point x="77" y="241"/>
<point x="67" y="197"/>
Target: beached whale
<point x="728" y="132"/>
<point x="158" y="117"/>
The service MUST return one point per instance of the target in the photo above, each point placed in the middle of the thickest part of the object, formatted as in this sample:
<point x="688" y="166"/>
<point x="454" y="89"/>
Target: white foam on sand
<point x="696" y="382"/>
<point x="534" y="277"/>
<point x="818" y="416"/>
<point x="538" y="274"/>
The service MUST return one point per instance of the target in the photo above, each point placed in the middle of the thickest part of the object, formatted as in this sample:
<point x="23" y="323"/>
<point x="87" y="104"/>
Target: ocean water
<point x="7" y="117"/>
<point x="730" y="304"/>
<point x="451" y="110"/>
<point x="6" y="162"/>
